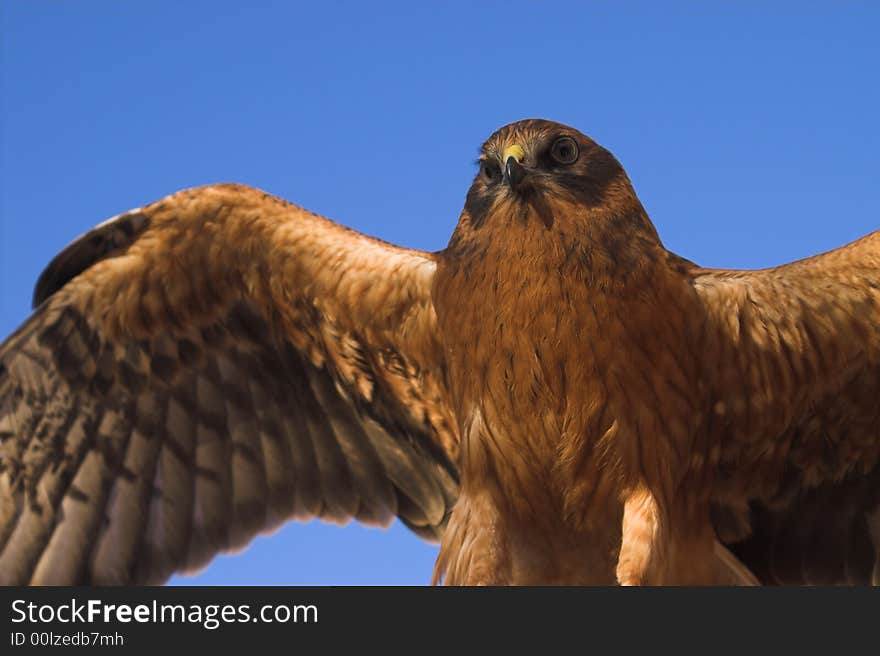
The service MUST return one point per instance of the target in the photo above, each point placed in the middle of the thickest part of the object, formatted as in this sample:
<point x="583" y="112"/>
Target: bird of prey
<point x="554" y="396"/>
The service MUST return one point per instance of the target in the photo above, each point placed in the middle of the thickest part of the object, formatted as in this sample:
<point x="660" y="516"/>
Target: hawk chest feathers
<point x="552" y="367"/>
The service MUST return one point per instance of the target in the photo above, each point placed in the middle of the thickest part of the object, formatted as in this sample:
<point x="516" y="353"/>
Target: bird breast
<point x="560" y="384"/>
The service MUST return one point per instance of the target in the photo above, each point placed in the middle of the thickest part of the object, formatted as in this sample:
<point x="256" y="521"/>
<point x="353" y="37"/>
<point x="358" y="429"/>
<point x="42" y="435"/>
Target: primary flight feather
<point x="555" y="396"/>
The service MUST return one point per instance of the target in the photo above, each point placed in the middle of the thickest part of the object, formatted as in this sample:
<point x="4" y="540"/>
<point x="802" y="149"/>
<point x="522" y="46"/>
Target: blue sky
<point x="751" y="136"/>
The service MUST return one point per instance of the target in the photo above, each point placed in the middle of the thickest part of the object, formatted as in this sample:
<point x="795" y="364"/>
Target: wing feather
<point x="206" y="368"/>
<point x="794" y="353"/>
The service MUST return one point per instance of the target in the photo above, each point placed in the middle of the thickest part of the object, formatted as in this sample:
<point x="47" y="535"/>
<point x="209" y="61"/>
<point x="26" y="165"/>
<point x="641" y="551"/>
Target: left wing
<point x="793" y="356"/>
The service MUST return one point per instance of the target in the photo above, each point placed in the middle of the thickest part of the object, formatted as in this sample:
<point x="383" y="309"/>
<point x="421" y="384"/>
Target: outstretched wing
<point x="205" y="368"/>
<point x="794" y="353"/>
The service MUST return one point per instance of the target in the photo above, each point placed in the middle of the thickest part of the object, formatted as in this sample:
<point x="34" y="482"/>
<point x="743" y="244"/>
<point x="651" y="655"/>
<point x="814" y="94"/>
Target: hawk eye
<point x="564" y="150"/>
<point x="490" y="170"/>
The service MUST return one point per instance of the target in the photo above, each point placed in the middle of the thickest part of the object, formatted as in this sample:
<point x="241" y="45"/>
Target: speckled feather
<point x="227" y="363"/>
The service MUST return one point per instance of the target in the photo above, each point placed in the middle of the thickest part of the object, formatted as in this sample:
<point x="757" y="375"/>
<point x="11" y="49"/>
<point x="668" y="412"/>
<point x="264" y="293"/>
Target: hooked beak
<point x="514" y="172"/>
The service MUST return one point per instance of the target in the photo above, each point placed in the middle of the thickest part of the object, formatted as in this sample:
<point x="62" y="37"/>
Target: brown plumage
<point x="605" y="411"/>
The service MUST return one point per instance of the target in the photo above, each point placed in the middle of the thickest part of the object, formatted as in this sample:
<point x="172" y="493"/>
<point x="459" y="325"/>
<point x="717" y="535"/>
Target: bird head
<point x="550" y="172"/>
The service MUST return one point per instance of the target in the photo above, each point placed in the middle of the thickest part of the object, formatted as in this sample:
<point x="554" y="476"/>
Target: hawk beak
<point x="514" y="172"/>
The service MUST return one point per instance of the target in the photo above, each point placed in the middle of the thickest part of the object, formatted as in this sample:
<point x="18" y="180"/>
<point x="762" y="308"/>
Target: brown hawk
<point x="555" y="396"/>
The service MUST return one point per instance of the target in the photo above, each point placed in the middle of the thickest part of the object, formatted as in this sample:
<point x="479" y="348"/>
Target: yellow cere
<point x="516" y="151"/>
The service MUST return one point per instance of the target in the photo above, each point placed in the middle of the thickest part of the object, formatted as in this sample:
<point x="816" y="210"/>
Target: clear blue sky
<point x="750" y="135"/>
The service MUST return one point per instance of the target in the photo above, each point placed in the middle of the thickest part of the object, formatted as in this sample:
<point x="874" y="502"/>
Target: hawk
<point x="555" y="396"/>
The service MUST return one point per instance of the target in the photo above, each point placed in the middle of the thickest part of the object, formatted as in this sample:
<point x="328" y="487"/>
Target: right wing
<point x="206" y="368"/>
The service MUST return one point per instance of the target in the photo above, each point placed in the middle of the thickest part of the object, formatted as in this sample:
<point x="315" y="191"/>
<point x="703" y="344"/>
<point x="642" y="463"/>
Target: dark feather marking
<point x="135" y="525"/>
<point x="105" y="375"/>
<point x="131" y="379"/>
<point x="375" y="496"/>
<point x="213" y="487"/>
<point x="76" y="494"/>
<point x="300" y="441"/>
<point x="163" y="367"/>
<point x="146" y="562"/>
<point x="338" y="497"/>
<point x="246" y="470"/>
<point x="90" y="418"/>
<point x="188" y="352"/>
<point x="478" y="205"/>
<point x="213" y="335"/>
